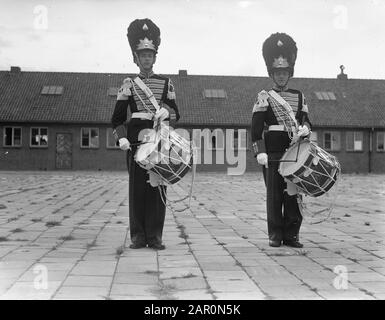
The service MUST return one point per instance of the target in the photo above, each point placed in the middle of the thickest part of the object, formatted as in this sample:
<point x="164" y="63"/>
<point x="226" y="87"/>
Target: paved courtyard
<point x="64" y="235"/>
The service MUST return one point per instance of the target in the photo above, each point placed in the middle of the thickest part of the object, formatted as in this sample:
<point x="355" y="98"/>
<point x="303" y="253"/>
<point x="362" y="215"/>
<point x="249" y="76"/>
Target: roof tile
<point x="359" y="102"/>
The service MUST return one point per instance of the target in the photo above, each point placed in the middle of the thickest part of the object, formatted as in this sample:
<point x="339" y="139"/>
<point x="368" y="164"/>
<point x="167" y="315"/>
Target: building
<point x="61" y="120"/>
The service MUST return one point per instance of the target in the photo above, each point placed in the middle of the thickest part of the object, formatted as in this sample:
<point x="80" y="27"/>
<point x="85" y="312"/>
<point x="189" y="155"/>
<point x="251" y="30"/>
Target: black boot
<point x="293" y="243"/>
<point x="137" y="245"/>
<point x="274" y="243"/>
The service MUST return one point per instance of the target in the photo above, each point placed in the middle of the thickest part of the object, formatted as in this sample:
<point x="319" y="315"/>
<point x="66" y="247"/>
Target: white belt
<point x="277" y="127"/>
<point x="142" y="115"/>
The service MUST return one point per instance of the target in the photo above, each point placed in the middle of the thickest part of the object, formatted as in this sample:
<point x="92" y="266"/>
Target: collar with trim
<point x="146" y="75"/>
<point x="279" y="89"/>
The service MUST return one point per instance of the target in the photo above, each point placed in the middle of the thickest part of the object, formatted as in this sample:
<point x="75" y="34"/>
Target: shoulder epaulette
<point x="171" y="91"/>
<point x="125" y="90"/>
<point x="261" y="103"/>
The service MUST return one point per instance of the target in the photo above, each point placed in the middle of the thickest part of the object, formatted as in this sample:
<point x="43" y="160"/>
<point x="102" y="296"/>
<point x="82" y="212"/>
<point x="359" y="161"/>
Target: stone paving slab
<point x="65" y="235"/>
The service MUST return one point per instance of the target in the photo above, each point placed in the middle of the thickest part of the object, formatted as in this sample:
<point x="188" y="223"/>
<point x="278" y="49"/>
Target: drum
<point x="315" y="170"/>
<point x="165" y="153"/>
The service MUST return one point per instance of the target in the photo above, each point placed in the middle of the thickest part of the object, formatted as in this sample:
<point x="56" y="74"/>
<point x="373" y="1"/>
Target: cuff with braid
<point x="119" y="132"/>
<point x="259" y="147"/>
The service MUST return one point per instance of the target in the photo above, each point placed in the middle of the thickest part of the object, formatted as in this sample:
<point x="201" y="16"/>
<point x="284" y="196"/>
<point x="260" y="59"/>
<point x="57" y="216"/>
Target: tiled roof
<point x="359" y="102"/>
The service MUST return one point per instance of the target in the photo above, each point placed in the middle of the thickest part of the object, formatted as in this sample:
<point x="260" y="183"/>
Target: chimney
<point x="342" y="75"/>
<point x="183" y="73"/>
<point x="15" y="69"/>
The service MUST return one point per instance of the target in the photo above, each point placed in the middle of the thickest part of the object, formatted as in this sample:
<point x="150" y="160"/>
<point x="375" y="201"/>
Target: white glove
<point x="162" y="114"/>
<point x="124" y="144"/>
<point x="303" y="131"/>
<point x="262" y="158"/>
<point x="154" y="179"/>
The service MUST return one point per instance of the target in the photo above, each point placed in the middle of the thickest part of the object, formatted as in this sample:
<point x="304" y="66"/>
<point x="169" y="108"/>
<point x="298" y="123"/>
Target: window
<point x="323" y="95"/>
<point x="332" y="141"/>
<point x="354" y="141"/>
<point x="39" y="137"/>
<point x="12" y="137"/>
<point x="52" y="90"/>
<point x="89" y="138"/>
<point x="314" y="137"/>
<point x="112" y="92"/>
<point x="319" y="95"/>
<point x="380" y="141"/>
<point x="242" y="133"/>
<point x="111" y="143"/>
<point x="239" y="139"/>
<point x="217" y="140"/>
<point x="214" y="93"/>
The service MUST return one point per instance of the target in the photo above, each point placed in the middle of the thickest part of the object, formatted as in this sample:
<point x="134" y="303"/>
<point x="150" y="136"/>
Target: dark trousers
<point x="146" y="208"/>
<point x="283" y="215"/>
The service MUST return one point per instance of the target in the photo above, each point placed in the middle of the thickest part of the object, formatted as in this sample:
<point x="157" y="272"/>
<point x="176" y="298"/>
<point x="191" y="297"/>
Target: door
<point x="63" y="151"/>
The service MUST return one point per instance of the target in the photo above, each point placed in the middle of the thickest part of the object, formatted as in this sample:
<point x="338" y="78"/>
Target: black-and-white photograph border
<point x="192" y="150"/>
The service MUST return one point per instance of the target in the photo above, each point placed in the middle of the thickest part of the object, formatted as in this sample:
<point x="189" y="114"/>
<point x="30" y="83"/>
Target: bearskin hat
<point x="143" y="34"/>
<point x="279" y="51"/>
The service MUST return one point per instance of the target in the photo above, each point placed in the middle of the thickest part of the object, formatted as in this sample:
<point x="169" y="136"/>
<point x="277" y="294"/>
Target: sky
<point x="216" y="37"/>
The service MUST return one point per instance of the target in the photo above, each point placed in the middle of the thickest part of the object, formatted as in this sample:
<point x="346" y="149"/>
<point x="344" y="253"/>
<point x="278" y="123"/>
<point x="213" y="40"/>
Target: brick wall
<point x="28" y="158"/>
<point x="351" y="161"/>
<point x="356" y="161"/>
<point x="31" y="158"/>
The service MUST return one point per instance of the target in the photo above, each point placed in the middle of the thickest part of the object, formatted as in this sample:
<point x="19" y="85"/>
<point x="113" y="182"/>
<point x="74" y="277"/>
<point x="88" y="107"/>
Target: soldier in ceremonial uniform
<point x="277" y="123"/>
<point x="146" y="197"/>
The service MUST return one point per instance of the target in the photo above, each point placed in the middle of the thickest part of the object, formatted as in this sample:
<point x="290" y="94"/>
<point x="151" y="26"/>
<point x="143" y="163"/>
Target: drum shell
<point x="316" y="175"/>
<point x="171" y="172"/>
<point x="169" y="157"/>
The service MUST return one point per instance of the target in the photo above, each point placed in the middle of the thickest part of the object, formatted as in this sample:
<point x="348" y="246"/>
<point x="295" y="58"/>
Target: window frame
<point x="338" y="133"/>
<point x="116" y="146"/>
<point x="354" y="140"/>
<point x="30" y="136"/>
<point x="236" y="137"/>
<point x="383" y="142"/>
<point x="325" y="95"/>
<point x="13" y="137"/>
<point x="242" y="147"/>
<point x="52" y="90"/>
<point x="89" y="138"/>
<point x="214" y="94"/>
<point x="112" y="91"/>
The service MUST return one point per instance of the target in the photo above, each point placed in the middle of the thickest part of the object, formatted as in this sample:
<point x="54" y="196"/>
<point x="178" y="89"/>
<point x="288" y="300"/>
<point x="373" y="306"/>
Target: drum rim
<point x="149" y="147"/>
<point x="298" y="163"/>
<point x="176" y="176"/>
